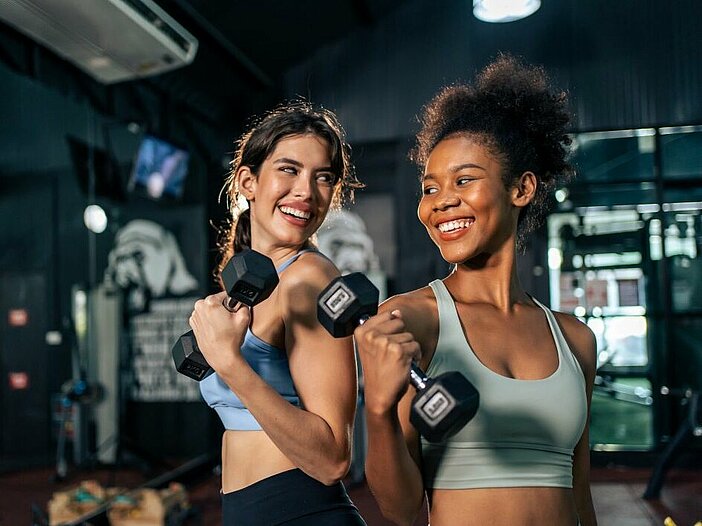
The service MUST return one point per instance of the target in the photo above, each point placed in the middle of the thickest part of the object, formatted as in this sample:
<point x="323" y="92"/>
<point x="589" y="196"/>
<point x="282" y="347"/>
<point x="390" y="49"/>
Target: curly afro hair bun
<point x="513" y="110"/>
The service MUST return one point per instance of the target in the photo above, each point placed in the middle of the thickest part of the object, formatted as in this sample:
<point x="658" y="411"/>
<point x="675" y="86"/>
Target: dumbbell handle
<point x="418" y="378"/>
<point x="231" y="304"/>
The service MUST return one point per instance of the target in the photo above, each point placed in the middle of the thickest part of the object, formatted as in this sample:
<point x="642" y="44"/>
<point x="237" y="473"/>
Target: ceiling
<point x="619" y="77"/>
<point x="246" y="47"/>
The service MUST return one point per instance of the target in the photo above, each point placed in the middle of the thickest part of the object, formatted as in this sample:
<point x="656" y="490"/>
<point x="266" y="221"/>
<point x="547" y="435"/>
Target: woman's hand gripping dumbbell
<point x="249" y="277"/>
<point x="442" y="405"/>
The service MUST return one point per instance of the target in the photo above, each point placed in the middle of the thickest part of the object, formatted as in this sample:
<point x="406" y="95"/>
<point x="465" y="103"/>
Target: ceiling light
<point x="504" y="10"/>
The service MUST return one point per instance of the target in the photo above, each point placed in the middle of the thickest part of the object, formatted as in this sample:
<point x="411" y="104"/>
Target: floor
<point x="616" y="492"/>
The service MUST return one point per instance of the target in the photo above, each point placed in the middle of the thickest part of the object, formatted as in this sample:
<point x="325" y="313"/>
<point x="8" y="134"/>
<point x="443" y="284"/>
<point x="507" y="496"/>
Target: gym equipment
<point x="72" y="392"/>
<point x="691" y="426"/>
<point x="249" y="277"/>
<point x="442" y="405"/>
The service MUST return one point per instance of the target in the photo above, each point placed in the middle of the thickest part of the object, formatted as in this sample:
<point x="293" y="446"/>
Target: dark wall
<point x="43" y="239"/>
<point x="626" y="64"/>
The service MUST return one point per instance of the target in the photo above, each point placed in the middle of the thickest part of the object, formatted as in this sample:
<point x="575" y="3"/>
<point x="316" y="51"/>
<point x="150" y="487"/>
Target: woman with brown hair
<point x="284" y="389"/>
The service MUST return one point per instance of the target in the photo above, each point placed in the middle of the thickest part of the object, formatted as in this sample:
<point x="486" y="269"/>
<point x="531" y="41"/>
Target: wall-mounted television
<point x="160" y="169"/>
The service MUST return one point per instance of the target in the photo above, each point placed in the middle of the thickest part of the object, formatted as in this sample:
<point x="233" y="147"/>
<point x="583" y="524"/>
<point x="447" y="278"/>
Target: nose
<point x="303" y="186"/>
<point x="446" y="199"/>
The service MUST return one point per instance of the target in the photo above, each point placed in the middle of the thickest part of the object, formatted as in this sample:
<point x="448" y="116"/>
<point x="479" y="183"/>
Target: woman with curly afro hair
<point x="490" y="154"/>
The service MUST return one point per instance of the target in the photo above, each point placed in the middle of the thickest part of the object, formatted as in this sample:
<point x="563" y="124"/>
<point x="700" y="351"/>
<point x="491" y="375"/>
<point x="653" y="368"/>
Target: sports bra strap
<point x="445" y="303"/>
<point x="285" y="264"/>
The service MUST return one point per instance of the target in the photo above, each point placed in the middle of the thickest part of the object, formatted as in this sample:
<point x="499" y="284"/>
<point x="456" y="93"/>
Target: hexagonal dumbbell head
<point x="345" y="302"/>
<point x="444" y="406"/>
<point x="441" y="406"/>
<point x="249" y="277"/>
<point x="188" y="359"/>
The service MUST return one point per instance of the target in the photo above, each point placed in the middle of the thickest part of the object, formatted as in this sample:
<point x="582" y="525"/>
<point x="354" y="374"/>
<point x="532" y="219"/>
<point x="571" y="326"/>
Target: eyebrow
<point x="467" y="165"/>
<point x="286" y="160"/>
<point x="457" y="168"/>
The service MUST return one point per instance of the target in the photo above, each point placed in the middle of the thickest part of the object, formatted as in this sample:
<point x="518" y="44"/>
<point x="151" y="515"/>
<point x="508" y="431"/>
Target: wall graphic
<point x="344" y="239"/>
<point x="147" y="264"/>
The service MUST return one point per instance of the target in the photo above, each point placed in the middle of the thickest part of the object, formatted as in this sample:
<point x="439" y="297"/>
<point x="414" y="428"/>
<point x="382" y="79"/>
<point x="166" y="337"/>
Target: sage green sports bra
<point x="524" y="432"/>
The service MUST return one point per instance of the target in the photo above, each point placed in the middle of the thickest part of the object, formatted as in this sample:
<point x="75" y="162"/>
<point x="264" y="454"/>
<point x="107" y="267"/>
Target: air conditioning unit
<point x="111" y="40"/>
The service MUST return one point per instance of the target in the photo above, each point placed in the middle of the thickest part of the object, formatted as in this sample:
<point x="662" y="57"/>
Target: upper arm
<point x="415" y="308"/>
<point x="582" y="343"/>
<point x="323" y="368"/>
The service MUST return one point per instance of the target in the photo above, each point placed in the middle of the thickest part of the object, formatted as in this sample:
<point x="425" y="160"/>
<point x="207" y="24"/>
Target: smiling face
<point x="290" y="196"/>
<point x="465" y="206"/>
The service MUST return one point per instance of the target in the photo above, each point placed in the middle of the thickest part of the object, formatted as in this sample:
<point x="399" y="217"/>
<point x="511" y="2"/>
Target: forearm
<point x="305" y="438"/>
<point x="392" y="474"/>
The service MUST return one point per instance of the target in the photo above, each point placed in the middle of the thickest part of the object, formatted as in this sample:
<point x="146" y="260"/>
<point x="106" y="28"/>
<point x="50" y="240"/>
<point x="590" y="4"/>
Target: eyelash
<point x="460" y="182"/>
<point x="330" y="178"/>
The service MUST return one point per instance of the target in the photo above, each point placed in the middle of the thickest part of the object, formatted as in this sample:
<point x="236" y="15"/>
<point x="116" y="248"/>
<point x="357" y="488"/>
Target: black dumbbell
<point x="442" y="405"/>
<point x="249" y="277"/>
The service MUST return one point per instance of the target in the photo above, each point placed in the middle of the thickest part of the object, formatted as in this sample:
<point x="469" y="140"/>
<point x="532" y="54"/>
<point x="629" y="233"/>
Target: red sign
<point x="17" y="317"/>
<point x="18" y="380"/>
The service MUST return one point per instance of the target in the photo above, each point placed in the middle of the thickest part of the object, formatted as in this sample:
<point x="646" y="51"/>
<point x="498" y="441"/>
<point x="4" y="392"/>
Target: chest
<point x="520" y="345"/>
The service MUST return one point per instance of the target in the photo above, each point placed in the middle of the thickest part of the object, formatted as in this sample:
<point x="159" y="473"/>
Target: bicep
<point x="585" y="350"/>
<point x="324" y="373"/>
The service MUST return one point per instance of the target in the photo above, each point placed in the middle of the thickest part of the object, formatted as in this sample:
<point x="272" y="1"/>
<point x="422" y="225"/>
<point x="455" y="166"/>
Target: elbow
<point x="334" y="472"/>
<point x="333" y="466"/>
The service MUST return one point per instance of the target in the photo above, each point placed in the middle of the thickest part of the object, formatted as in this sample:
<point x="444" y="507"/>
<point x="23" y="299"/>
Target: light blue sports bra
<point x="524" y="431"/>
<point x="269" y="362"/>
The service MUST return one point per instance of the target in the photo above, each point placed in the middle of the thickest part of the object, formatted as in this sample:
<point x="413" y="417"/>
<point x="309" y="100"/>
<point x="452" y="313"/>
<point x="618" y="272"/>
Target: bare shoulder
<point x="412" y="304"/>
<point x="310" y="268"/>
<point x="581" y="341"/>
<point x="301" y="283"/>
<point x="419" y="311"/>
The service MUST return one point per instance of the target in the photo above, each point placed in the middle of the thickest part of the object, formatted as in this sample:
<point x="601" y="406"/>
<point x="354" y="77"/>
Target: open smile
<point x="455" y="225"/>
<point x="295" y="215"/>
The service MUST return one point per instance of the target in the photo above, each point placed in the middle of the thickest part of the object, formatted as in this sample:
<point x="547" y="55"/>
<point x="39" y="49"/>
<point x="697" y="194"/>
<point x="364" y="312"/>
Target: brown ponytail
<point x="242" y="231"/>
<point x="234" y="236"/>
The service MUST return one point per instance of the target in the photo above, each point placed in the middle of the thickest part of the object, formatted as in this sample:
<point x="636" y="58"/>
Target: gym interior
<point x="100" y="263"/>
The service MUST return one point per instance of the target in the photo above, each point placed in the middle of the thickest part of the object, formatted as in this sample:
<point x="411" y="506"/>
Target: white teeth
<point x="450" y="226"/>
<point x="295" y="212"/>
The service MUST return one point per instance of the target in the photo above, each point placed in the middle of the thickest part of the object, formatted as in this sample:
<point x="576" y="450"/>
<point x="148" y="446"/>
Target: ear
<point x="524" y="190"/>
<point x="246" y="182"/>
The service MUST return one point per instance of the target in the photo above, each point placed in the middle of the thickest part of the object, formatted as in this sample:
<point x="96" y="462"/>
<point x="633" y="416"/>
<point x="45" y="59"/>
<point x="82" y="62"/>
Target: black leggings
<point x="291" y="498"/>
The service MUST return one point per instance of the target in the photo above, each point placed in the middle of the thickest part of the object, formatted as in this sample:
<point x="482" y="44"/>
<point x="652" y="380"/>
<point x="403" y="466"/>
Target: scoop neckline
<point x="471" y="352"/>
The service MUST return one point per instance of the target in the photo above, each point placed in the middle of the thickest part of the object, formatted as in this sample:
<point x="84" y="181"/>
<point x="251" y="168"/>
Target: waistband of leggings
<point x="285" y="496"/>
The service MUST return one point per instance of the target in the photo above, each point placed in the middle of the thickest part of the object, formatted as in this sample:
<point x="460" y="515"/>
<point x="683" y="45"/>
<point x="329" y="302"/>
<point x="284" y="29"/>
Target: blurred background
<point x="117" y="122"/>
